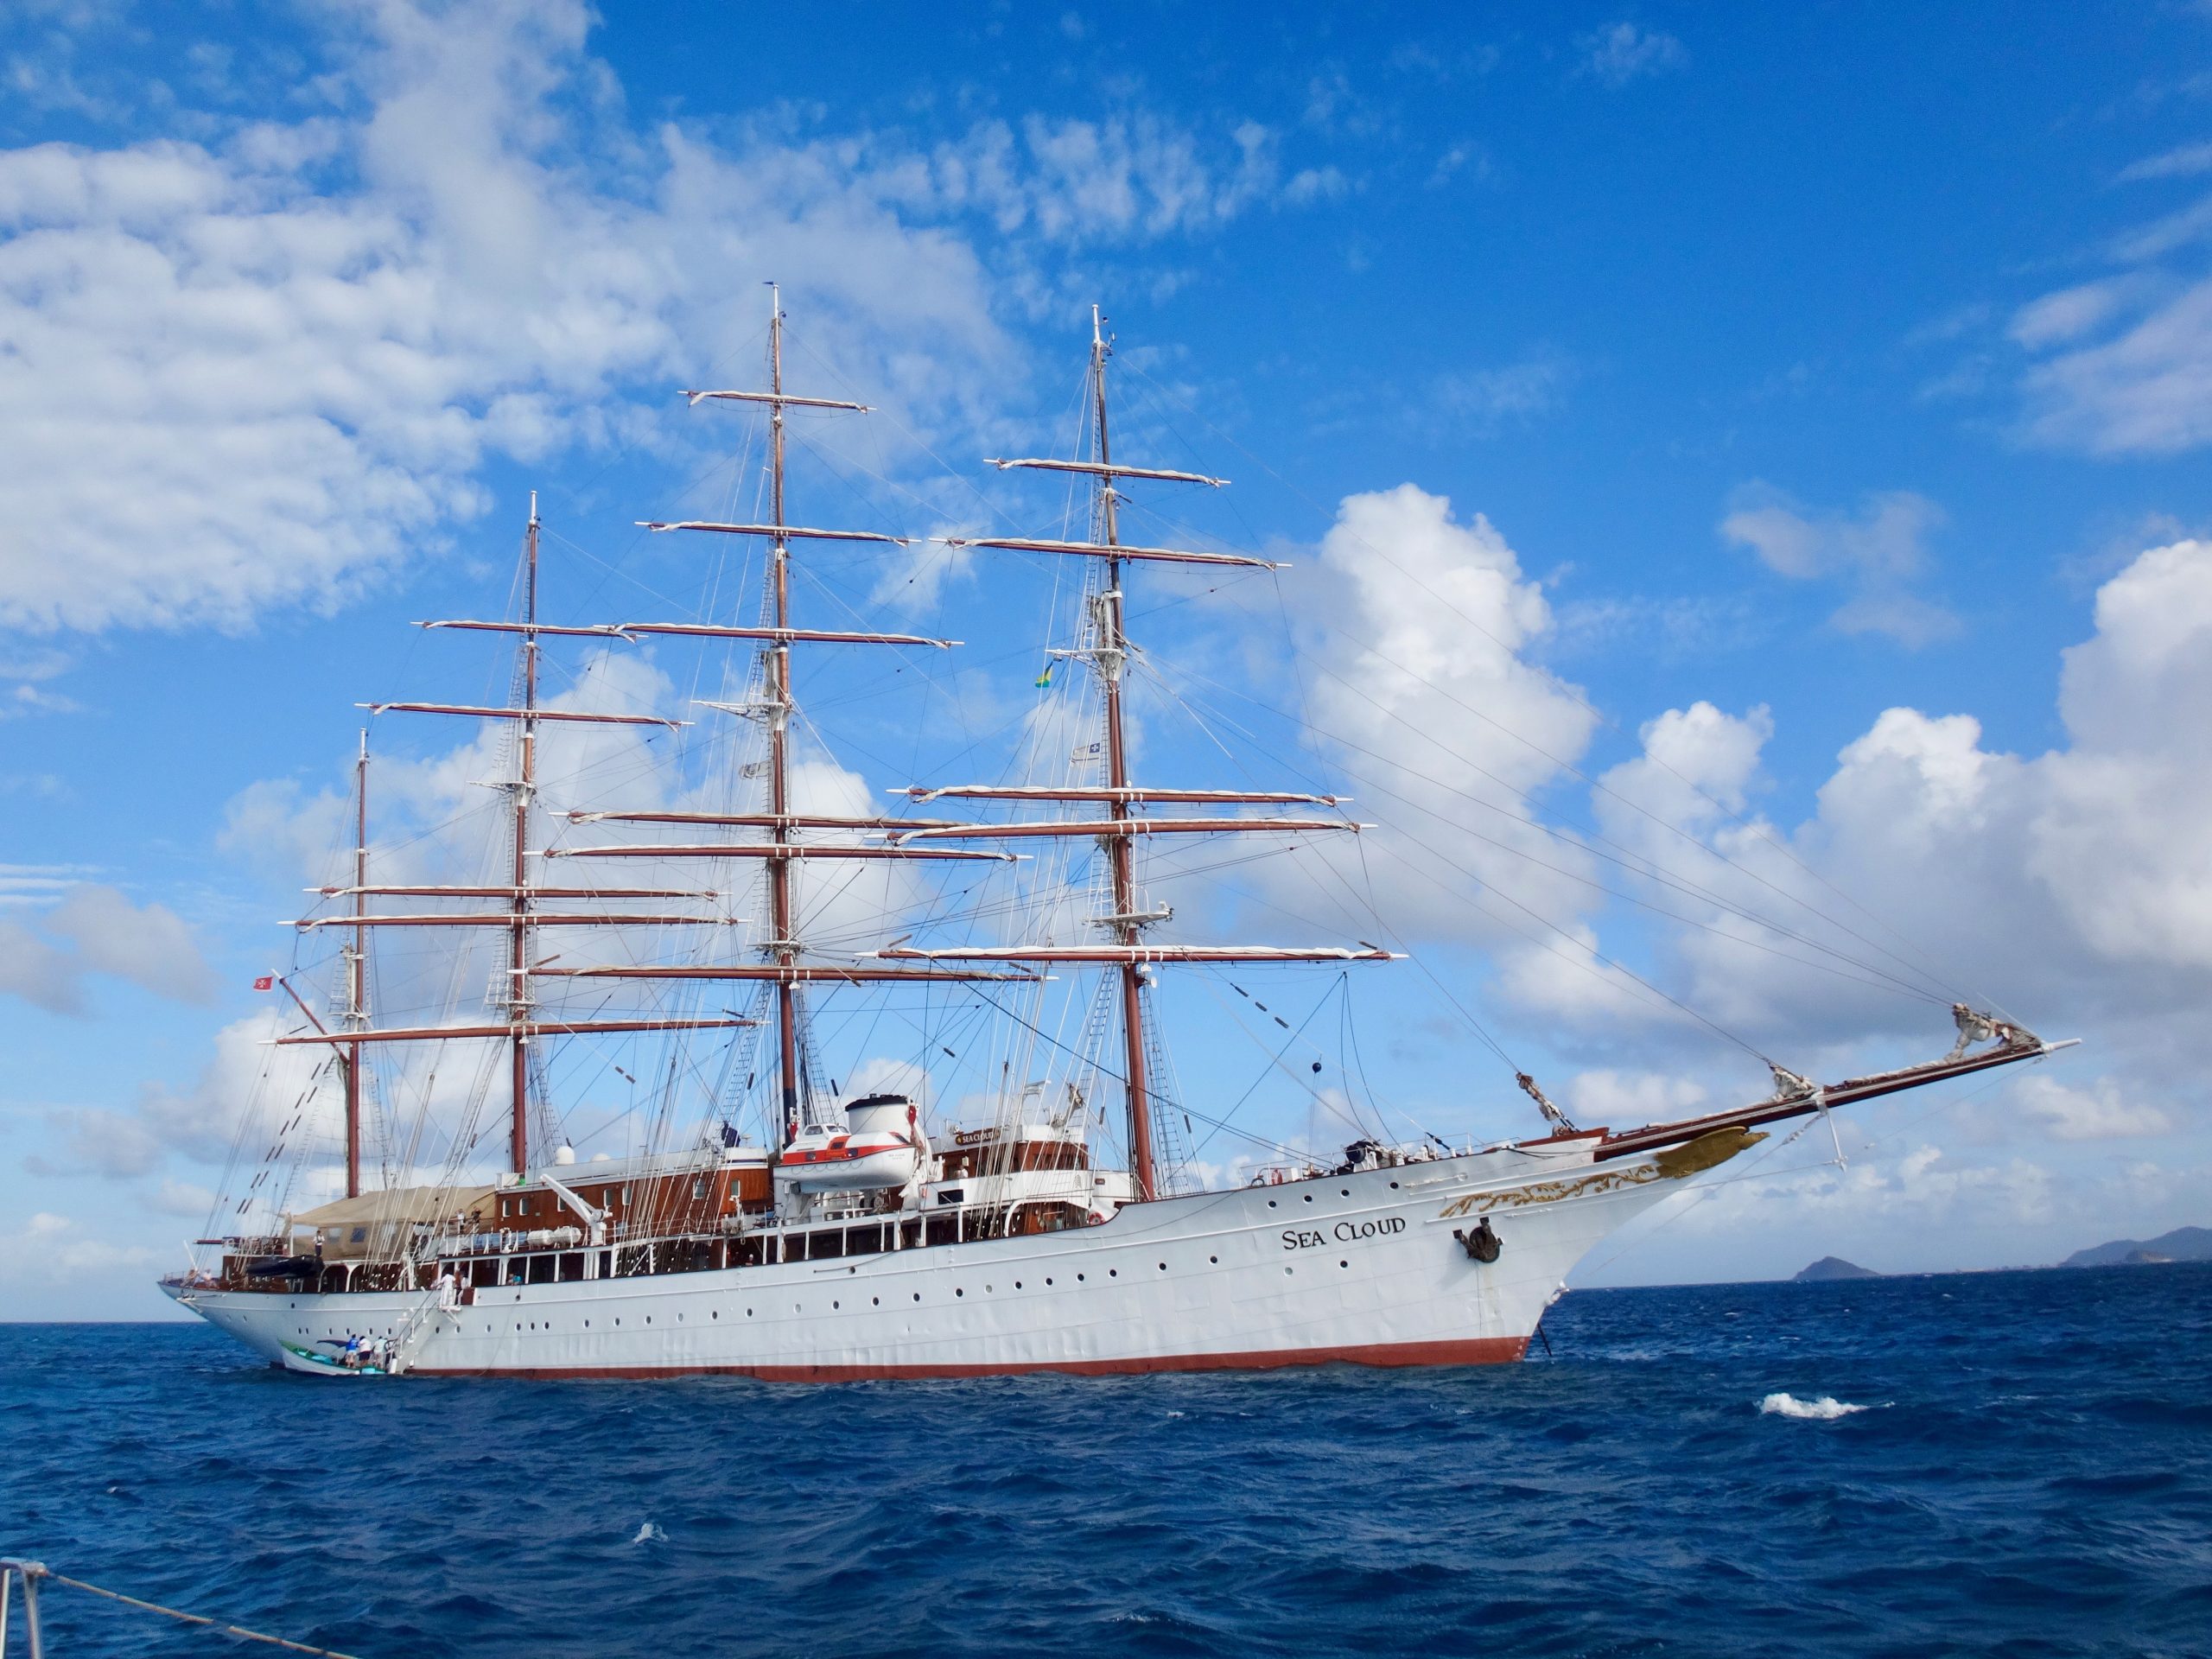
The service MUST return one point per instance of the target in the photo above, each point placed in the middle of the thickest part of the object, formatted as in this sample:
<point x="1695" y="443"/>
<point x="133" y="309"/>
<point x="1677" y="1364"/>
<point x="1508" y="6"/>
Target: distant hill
<point x="2183" y="1244"/>
<point x="1833" y="1266"/>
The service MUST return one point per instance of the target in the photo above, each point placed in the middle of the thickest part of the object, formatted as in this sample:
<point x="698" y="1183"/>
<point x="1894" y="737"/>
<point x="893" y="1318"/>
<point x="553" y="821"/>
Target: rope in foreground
<point x="31" y="1570"/>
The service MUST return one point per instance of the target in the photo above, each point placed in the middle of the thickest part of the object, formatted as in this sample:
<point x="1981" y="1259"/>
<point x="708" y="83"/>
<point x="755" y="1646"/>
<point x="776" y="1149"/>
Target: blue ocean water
<point x="2031" y="1475"/>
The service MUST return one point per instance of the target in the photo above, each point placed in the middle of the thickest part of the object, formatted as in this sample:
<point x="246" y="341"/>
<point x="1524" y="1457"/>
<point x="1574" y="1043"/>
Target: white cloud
<point x="264" y="370"/>
<point x="149" y="945"/>
<point x="1424" y="625"/>
<point x="40" y="973"/>
<point x="1621" y="52"/>
<point x="2098" y="1112"/>
<point x="2184" y="163"/>
<point x="1313" y="184"/>
<point x="1878" y="554"/>
<point x="2073" y="885"/>
<point x="2122" y="365"/>
<point x="1624" y="1099"/>
<point x="48" y="1247"/>
<point x="1486" y="401"/>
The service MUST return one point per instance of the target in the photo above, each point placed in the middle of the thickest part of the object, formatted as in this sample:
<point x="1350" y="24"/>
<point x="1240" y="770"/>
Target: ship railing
<point x="30" y="1574"/>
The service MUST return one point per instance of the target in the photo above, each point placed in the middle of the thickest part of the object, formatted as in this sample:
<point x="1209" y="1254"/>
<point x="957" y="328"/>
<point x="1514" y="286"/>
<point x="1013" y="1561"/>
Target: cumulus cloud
<point x="2098" y="1111"/>
<point x="93" y="929"/>
<point x="149" y="945"/>
<point x="1618" y="1098"/>
<point x="1878" y="554"/>
<point x="46" y="1247"/>
<point x="1426" y="699"/>
<point x="263" y="367"/>
<point x="2073" y="884"/>
<point x="1621" y="52"/>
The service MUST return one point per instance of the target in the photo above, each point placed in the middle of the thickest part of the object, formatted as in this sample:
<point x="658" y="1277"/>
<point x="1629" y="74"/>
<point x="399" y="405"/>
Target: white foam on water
<point x="1827" y="1408"/>
<point x="649" y="1534"/>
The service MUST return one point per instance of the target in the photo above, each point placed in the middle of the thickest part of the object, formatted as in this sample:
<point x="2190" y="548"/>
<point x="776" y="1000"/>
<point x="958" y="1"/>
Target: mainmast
<point x="518" y="1007"/>
<point x="1112" y="653"/>
<point x="782" y="945"/>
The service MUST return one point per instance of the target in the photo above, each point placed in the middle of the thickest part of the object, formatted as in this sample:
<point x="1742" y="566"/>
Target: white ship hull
<point x="1363" y="1268"/>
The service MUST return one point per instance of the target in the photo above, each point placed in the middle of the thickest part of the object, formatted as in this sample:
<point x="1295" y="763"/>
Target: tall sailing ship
<point x="760" y="1222"/>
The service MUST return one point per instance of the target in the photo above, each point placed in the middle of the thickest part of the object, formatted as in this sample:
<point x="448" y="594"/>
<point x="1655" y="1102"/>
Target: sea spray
<point x="1827" y="1408"/>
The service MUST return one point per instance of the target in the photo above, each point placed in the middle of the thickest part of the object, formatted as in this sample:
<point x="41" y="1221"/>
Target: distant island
<point x="2183" y="1244"/>
<point x="1835" y="1267"/>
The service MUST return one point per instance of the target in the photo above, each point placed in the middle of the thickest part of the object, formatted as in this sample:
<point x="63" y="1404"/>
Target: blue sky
<point x="1832" y="384"/>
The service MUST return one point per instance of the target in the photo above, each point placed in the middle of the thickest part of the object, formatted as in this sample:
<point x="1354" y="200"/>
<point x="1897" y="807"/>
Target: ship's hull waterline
<point x="1366" y="1268"/>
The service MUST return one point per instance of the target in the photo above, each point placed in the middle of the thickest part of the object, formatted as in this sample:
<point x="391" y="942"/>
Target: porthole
<point x="587" y="1325"/>
<point x="1286" y="1273"/>
<point x="1271" y="1204"/>
<point x="1343" y="1264"/>
<point x="1309" y="1198"/>
<point x="618" y="1319"/>
<point x="834" y="1306"/>
<point x="1048" y="1280"/>
<point x="1163" y="1267"/>
<point x="987" y="1289"/>
<point x="958" y="1291"/>
<point x="716" y="1314"/>
<point x="1113" y="1273"/>
<point x="1345" y="1192"/>
<point x="917" y="1295"/>
<point x="1215" y="1259"/>
<point x="1394" y="1186"/>
<point x="748" y="1312"/>
<point x="1017" y="1284"/>
<point x="1078" y="1278"/>
<point x="875" y="1301"/>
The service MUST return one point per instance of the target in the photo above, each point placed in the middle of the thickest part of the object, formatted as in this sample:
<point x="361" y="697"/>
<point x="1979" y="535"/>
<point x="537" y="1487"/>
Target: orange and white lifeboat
<point x="882" y="1146"/>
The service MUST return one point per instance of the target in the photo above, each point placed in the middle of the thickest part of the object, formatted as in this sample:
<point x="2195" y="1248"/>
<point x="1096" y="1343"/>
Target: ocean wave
<point x="1827" y="1408"/>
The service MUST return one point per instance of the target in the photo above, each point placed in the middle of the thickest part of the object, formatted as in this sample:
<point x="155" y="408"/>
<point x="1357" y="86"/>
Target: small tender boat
<point x="312" y="1362"/>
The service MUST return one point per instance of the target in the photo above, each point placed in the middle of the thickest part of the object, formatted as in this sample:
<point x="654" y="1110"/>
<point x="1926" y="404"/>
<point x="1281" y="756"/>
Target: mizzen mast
<point x="1120" y="825"/>
<point x="526" y="783"/>
<point x="357" y="1001"/>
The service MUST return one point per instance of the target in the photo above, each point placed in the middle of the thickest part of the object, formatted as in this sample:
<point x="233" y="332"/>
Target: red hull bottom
<point x="1484" y="1350"/>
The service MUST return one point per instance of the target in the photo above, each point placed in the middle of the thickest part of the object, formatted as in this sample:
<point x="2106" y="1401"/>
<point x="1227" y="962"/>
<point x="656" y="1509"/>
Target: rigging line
<point x="1753" y="1170"/>
<point x="1926" y="964"/>
<point x="1596" y="785"/>
<point x="1594" y="953"/>
<point x="1621" y="857"/>
<point x="1097" y="1065"/>
<point x="913" y="437"/>
<point x="1892" y="983"/>
<point x="1492" y="887"/>
<point x="1275" y="1062"/>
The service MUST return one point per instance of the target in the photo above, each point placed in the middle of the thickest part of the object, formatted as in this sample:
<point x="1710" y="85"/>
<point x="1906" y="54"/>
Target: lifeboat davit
<point x="882" y="1145"/>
